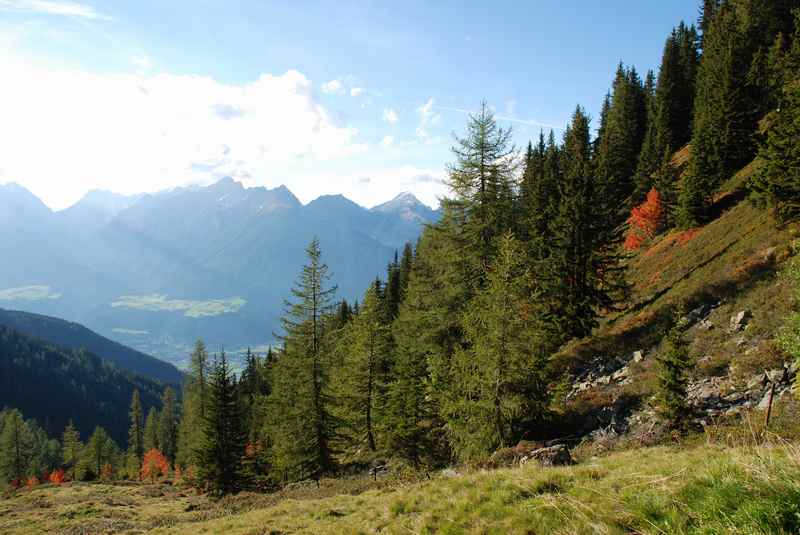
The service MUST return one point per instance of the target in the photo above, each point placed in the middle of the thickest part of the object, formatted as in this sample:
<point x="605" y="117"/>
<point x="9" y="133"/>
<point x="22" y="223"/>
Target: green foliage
<point x="167" y="427"/>
<point x="364" y="373"/>
<point x="789" y="339"/>
<point x="220" y="453"/>
<point x="302" y="427"/>
<point x="499" y="382"/>
<point x="136" y="431"/>
<point x="100" y="450"/>
<point x="150" y="437"/>
<point x="71" y="449"/>
<point x="195" y="400"/>
<point x="673" y="377"/>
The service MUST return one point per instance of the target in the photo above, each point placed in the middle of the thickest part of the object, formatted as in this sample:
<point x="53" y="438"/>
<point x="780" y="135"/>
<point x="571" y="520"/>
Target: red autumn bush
<point x="32" y="482"/>
<point x="645" y="221"/>
<point x="57" y="476"/>
<point x="154" y="465"/>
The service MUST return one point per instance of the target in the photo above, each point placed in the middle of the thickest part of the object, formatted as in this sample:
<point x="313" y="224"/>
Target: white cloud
<point x="52" y="7"/>
<point x="64" y="132"/>
<point x="356" y="91"/>
<point x="333" y="87"/>
<point x="387" y="141"/>
<point x="427" y="118"/>
<point x="390" y="116"/>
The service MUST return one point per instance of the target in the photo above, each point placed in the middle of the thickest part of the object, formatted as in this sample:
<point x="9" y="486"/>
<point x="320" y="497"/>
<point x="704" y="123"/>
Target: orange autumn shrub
<point x="154" y="465"/>
<point x="32" y="482"/>
<point x="645" y="221"/>
<point x="107" y="472"/>
<point x="57" y="476"/>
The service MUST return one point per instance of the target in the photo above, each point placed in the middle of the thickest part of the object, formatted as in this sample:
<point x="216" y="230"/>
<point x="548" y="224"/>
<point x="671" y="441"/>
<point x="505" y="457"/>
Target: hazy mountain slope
<point x="74" y="336"/>
<point x="53" y="384"/>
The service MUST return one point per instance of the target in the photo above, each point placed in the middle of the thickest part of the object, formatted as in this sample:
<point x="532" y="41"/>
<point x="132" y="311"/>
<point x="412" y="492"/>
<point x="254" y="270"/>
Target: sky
<point x="358" y="98"/>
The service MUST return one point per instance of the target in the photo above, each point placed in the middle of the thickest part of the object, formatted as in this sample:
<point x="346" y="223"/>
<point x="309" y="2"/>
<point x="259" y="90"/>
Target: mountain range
<point x="157" y="271"/>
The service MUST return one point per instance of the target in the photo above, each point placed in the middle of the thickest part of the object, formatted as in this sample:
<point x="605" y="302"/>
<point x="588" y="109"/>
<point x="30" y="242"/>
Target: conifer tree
<point x="223" y="447"/>
<point x="303" y="429"/>
<point x="364" y="374"/>
<point x="190" y="429"/>
<point x="16" y="443"/>
<point x="673" y="369"/>
<point x="649" y="156"/>
<point x="71" y="449"/>
<point x="168" y="425"/>
<point x="582" y="275"/>
<point x="500" y="384"/>
<point x="150" y="438"/>
<point x="406" y="261"/>
<point x="100" y="451"/>
<point x="136" y="431"/>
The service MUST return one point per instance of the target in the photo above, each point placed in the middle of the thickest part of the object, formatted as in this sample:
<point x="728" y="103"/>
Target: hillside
<point x="712" y="274"/>
<point x="703" y="489"/>
<point x="74" y="336"/>
<point x="53" y="384"/>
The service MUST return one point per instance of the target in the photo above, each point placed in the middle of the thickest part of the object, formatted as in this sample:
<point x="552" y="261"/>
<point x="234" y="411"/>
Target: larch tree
<point x="168" y="424"/>
<point x="150" y="438"/>
<point x="194" y="402"/>
<point x="71" y="449"/>
<point x="303" y="427"/>
<point x="500" y="384"/>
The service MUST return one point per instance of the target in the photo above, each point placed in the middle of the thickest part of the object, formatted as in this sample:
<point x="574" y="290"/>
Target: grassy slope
<point x="734" y="260"/>
<point x="705" y="489"/>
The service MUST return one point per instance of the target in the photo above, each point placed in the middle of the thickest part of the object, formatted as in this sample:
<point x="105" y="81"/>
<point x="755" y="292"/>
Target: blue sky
<point x="359" y="98"/>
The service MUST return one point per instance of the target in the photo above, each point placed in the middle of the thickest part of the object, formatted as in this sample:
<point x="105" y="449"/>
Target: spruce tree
<point x="71" y="449"/>
<point x="168" y="425"/>
<point x="673" y="369"/>
<point x="136" y="431"/>
<point x="406" y="261"/>
<point x="100" y="451"/>
<point x="150" y="438"/>
<point x="500" y="386"/>
<point x="224" y="435"/>
<point x="649" y="156"/>
<point x="582" y="275"/>
<point x="364" y="374"/>
<point x="303" y="429"/>
<point x="16" y="443"/>
<point x="194" y="402"/>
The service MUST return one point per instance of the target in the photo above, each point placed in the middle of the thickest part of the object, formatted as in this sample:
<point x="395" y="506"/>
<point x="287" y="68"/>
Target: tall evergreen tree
<point x="406" y="261"/>
<point x="500" y="383"/>
<point x="71" y="449"/>
<point x="150" y="439"/>
<point x="223" y="446"/>
<point x="100" y="450"/>
<point x="649" y="156"/>
<point x="582" y="275"/>
<point x="168" y="425"/>
<point x="364" y="374"/>
<point x="136" y="432"/>
<point x="304" y="429"/>
<point x="194" y="402"/>
<point x="16" y="443"/>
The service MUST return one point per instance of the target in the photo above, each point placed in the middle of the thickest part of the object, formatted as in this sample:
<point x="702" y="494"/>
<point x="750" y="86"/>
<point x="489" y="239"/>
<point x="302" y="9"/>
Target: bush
<point x="154" y="465"/>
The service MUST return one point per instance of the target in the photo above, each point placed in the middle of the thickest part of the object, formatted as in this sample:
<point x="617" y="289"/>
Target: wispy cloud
<point x="390" y="116"/>
<point x="28" y="293"/>
<point x="356" y="91"/>
<point x="190" y="308"/>
<point x="527" y="122"/>
<point x="53" y="7"/>
<point x="427" y="118"/>
<point x="333" y="87"/>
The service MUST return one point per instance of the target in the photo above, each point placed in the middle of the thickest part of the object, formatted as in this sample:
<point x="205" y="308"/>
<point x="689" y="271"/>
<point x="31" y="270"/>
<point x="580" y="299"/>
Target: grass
<point x="703" y="489"/>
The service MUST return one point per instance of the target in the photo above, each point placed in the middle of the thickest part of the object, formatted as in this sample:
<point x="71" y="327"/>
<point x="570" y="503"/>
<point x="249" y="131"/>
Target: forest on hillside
<point x="451" y="357"/>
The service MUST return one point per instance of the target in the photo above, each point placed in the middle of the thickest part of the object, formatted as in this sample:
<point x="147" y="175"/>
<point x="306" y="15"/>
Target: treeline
<point x="449" y="357"/>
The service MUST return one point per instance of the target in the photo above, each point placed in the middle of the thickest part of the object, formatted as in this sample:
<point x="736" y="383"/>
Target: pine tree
<point x="190" y="429"/>
<point x="500" y="383"/>
<point x="150" y="438"/>
<point x="136" y="432"/>
<point x="168" y="425"/>
<point x="649" y="156"/>
<point x="364" y="374"/>
<point x="304" y="429"/>
<point x="15" y="447"/>
<point x="582" y="275"/>
<point x="223" y="447"/>
<point x="71" y="448"/>
<point x="100" y="451"/>
<point x="406" y="261"/>
<point x="673" y="369"/>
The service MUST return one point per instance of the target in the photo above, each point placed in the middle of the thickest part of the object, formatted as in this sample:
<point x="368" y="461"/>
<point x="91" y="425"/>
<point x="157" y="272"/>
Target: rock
<point x="756" y="382"/>
<point x="777" y="375"/>
<point x="620" y="374"/>
<point x="762" y="405"/>
<point x="696" y="314"/>
<point x="733" y="411"/>
<point x="739" y="320"/>
<point x="734" y="397"/>
<point x="705" y="325"/>
<point x="740" y="341"/>
<point x="604" y="380"/>
<point x="557" y="455"/>
<point x="448" y="472"/>
<point x="638" y="356"/>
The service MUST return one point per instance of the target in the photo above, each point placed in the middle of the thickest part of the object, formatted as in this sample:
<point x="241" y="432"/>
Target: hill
<point x="702" y="489"/>
<point x="74" y="336"/>
<point x="155" y="272"/>
<point x="53" y="384"/>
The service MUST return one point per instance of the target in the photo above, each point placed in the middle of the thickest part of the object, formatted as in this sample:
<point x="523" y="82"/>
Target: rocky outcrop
<point x="557" y="455"/>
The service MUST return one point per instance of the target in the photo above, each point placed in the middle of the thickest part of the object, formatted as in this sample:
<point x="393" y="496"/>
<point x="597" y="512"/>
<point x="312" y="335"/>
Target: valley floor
<point x="661" y="490"/>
